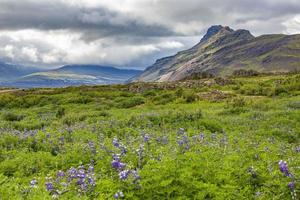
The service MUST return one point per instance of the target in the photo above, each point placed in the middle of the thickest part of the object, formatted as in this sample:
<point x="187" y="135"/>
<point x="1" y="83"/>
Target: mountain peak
<point x="213" y="30"/>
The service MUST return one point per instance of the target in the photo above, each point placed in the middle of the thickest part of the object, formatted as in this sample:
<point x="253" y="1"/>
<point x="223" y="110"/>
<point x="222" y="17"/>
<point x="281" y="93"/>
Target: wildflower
<point x="33" y="183"/>
<point x="123" y="175"/>
<point x="123" y="149"/>
<point x="135" y="174"/>
<point x="284" y="168"/>
<point x="60" y="174"/>
<point x="180" y="131"/>
<point x="291" y="185"/>
<point x="180" y="142"/>
<point x="118" y="195"/>
<point x="116" y="143"/>
<point x="91" y="169"/>
<point x="92" y="147"/>
<point x="49" y="186"/>
<point x="146" y="138"/>
<point x="91" y="180"/>
<point x="117" y="164"/>
<point x="202" y="136"/>
<point x="61" y="140"/>
<point x="158" y="139"/>
<point x="72" y="174"/>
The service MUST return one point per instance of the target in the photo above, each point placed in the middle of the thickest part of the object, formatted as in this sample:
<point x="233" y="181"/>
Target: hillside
<point x="72" y="75"/>
<point x="12" y="71"/>
<point x="223" y="50"/>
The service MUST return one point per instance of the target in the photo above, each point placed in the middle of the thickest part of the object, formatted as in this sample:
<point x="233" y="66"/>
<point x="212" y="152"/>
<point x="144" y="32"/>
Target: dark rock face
<point x="223" y="50"/>
<point x="213" y="30"/>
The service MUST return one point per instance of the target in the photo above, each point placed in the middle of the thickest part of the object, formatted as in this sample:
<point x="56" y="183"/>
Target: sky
<point x="127" y="33"/>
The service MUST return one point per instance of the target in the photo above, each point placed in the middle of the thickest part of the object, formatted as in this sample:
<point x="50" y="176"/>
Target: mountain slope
<point x="223" y="50"/>
<point x="72" y="75"/>
<point x="11" y="71"/>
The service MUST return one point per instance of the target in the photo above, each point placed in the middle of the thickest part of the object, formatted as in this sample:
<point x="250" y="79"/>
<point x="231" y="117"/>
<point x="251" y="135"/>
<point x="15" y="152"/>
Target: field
<point x="237" y="138"/>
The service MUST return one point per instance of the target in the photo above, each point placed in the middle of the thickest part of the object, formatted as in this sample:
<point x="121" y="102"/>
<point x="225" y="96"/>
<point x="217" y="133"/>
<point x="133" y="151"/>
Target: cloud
<point x="130" y="33"/>
<point x="292" y="25"/>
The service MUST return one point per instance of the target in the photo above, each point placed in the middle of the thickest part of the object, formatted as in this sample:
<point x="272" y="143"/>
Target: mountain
<point x="223" y="50"/>
<point x="72" y="75"/>
<point x="11" y="71"/>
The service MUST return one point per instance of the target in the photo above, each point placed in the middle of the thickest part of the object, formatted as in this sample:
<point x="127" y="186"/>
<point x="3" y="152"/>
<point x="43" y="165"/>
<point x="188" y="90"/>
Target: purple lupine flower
<point x="91" y="180"/>
<point x="118" y="195"/>
<point x="291" y="185"/>
<point x="61" y="140"/>
<point x="49" y="186"/>
<point x="33" y="183"/>
<point x="135" y="174"/>
<point x="158" y="139"/>
<point x="92" y="147"/>
<point x="180" y="142"/>
<point x="116" y="143"/>
<point x="123" y="175"/>
<point x="297" y="149"/>
<point x="91" y="169"/>
<point x="146" y="138"/>
<point x="284" y="168"/>
<point x="202" y="136"/>
<point x="64" y="184"/>
<point x="117" y="164"/>
<point x="180" y="131"/>
<point x="123" y="149"/>
<point x="72" y="174"/>
<point x="60" y="174"/>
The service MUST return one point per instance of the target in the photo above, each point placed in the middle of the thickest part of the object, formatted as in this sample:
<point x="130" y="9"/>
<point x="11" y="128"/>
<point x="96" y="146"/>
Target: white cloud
<point x="292" y="25"/>
<point x="30" y="54"/>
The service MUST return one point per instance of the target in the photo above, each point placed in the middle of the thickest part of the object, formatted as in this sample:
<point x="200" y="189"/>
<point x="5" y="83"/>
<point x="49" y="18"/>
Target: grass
<point x="181" y="146"/>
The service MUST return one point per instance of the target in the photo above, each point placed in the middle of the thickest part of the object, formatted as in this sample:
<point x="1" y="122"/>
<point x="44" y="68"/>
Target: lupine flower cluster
<point x="116" y="163"/>
<point x="139" y="152"/>
<point x="120" y="146"/>
<point x="123" y="175"/>
<point x="119" y="166"/>
<point x="83" y="179"/>
<point x="92" y="147"/>
<point x="283" y="167"/>
<point x="182" y="139"/>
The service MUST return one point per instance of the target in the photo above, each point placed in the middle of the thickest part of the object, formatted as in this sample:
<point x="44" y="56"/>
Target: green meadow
<point x="198" y="139"/>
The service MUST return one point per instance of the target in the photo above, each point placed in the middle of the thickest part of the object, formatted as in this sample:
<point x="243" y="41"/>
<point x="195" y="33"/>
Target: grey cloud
<point x="135" y="32"/>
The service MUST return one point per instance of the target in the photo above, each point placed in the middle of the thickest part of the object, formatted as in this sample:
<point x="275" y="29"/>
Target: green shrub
<point x="60" y="112"/>
<point x="164" y="99"/>
<point x="190" y="97"/>
<point x="130" y="102"/>
<point x="9" y="116"/>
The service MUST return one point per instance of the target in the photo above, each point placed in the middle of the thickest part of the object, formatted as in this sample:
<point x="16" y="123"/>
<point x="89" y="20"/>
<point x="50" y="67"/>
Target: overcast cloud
<point x="128" y="33"/>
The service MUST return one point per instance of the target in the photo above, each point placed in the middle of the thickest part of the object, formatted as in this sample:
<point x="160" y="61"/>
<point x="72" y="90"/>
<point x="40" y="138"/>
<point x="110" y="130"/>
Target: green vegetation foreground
<point x="198" y="139"/>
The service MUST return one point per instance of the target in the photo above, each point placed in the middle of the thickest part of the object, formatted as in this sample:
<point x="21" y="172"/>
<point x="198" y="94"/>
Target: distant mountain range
<point x="223" y="50"/>
<point x="69" y="75"/>
<point x="12" y="71"/>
